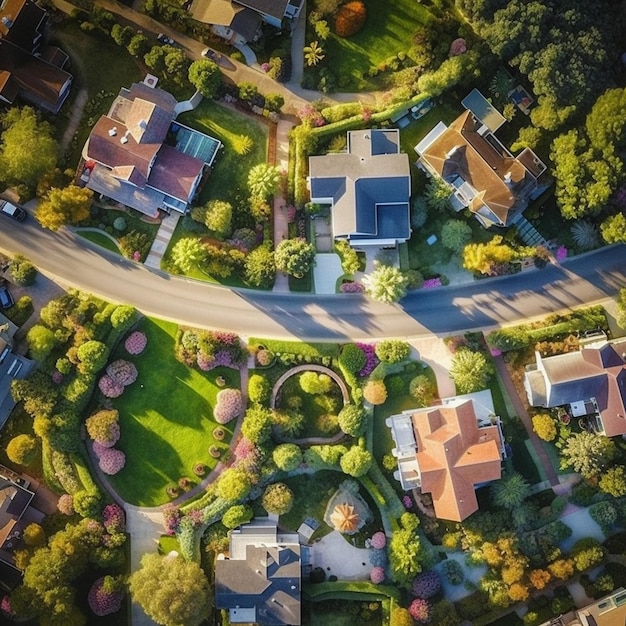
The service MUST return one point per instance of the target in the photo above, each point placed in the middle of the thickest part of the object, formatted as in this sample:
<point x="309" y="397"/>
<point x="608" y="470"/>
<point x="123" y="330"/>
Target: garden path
<point x="520" y="409"/>
<point x="434" y="352"/>
<point x="162" y="240"/>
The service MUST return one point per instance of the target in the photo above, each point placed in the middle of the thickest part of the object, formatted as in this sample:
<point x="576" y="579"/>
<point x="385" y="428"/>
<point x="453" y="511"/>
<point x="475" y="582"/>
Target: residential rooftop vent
<point x="7" y="21"/>
<point x="113" y="131"/>
<point x="150" y="80"/>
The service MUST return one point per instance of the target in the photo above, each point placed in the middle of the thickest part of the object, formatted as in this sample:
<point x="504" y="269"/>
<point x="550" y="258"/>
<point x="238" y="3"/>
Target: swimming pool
<point x="194" y="143"/>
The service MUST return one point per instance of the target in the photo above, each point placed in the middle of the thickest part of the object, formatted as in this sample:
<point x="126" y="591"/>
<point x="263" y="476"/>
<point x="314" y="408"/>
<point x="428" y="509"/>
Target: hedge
<point x="348" y="590"/>
<point x="314" y="350"/>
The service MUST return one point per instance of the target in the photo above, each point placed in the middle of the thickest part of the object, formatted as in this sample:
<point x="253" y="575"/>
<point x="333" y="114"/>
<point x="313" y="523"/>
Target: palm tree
<point x="313" y="53"/>
<point x="585" y="235"/>
<point x="510" y="492"/>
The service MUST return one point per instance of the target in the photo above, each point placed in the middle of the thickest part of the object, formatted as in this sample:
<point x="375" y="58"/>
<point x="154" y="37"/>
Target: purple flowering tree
<point x="171" y="518"/>
<point x="109" y="387"/>
<point x="371" y="360"/>
<point x="105" y="596"/>
<point x="114" y="518"/>
<point x="420" y="610"/>
<point x="122" y="372"/>
<point x="136" y="343"/>
<point x="426" y="585"/>
<point x="377" y="575"/>
<point x="379" y="540"/>
<point x="111" y="460"/>
<point x="229" y="405"/>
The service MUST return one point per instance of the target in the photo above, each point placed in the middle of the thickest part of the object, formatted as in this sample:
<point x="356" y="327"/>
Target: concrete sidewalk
<point x="162" y="240"/>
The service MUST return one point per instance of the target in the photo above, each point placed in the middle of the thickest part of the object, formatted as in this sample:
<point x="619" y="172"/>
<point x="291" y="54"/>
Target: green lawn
<point x="166" y="419"/>
<point x="228" y="181"/>
<point x="100" y="66"/>
<point x="388" y="30"/>
<point x="100" y="239"/>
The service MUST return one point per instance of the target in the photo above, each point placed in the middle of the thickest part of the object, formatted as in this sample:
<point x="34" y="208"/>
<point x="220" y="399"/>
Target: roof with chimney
<point x="368" y="187"/>
<point x="134" y="164"/>
<point x="261" y="581"/>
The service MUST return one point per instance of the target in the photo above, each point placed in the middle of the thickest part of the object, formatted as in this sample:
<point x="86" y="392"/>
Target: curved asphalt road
<point x="483" y="304"/>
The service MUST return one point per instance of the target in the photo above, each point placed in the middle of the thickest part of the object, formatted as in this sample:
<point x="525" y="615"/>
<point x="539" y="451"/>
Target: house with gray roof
<point x="590" y="384"/>
<point x="29" y="68"/>
<point x="140" y="157"/>
<point x="368" y="188"/>
<point x="260" y="581"/>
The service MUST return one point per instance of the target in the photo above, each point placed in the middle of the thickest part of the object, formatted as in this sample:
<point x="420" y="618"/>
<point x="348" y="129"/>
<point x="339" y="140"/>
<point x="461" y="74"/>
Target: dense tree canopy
<point x="27" y="147"/>
<point x="565" y="49"/>
<point x="69" y="205"/>
<point x="587" y="453"/>
<point x="171" y="590"/>
<point x="206" y="77"/>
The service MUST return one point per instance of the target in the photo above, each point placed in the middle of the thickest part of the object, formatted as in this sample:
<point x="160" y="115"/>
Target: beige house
<point x="481" y="172"/>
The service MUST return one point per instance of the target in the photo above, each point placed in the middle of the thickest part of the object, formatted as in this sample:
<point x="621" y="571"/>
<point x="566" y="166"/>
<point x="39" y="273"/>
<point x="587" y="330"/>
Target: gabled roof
<point x="274" y="8"/>
<point x="501" y="181"/>
<point x="369" y="186"/>
<point x="262" y="578"/>
<point x="242" y="20"/>
<point x="21" y="22"/>
<point x="36" y="78"/>
<point x="595" y="371"/>
<point x="454" y="454"/>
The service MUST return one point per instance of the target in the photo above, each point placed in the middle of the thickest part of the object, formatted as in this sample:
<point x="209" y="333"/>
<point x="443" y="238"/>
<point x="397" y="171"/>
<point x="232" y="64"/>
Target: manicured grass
<point x="228" y="180"/>
<point x="316" y="350"/>
<point x="166" y="418"/>
<point x="98" y="65"/>
<point x="100" y="239"/>
<point x="388" y="30"/>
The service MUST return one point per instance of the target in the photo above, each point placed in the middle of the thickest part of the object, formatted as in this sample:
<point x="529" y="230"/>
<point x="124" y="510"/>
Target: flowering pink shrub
<point x="420" y="610"/>
<point x="98" y="448"/>
<point x="291" y="214"/>
<point x="457" y="47"/>
<point x="57" y="377"/>
<point x="265" y="67"/>
<point x="229" y="405"/>
<point x="112" y="460"/>
<point x="5" y="607"/>
<point x="379" y="540"/>
<point x="377" y="575"/>
<point x="109" y="387"/>
<point x="105" y="596"/>
<point x="352" y="287"/>
<point x="205" y="361"/>
<point x="371" y="360"/>
<point x="114" y="518"/>
<point x="135" y="343"/>
<point x="366" y="114"/>
<point x="171" y="518"/>
<point x="408" y="503"/>
<point x="561" y="253"/>
<point x="426" y="585"/>
<point x="65" y="504"/>
<point x="122" y="372"/>
<point x="431" y="283"/>
<point x="264" y="357"/>
<point x="495" y="351"/>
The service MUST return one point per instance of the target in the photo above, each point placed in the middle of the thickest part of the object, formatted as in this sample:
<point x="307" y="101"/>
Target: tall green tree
<point x="294" y="256"/>
<point x="28" y="150"/>
<point x="206" y="77"/>
<point x="263" y="180"/>
<point x="171" y="590"/>
<point x="385" y="284"/>
<point x="470" y="370"/>
<point x="218" y="217"/>
<point x="61" y="207"/>
<point x="509" y="492"/>
<point x="187" y="253"/>
<point x="588" y="454"/>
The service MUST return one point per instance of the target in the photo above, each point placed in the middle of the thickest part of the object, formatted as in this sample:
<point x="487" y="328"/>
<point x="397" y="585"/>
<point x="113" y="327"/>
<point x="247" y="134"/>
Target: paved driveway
<point x="336" y="556"/>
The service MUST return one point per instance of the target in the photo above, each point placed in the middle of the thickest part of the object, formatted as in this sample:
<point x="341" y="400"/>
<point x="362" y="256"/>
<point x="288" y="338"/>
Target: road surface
<point x="76" y="262"/>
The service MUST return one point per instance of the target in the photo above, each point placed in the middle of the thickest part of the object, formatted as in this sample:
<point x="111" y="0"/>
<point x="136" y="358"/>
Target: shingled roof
<point x="466" y="150"/>
<point x="368" y="186"/>
<point x="261" y="580"/>
<point x="596" y="371"/>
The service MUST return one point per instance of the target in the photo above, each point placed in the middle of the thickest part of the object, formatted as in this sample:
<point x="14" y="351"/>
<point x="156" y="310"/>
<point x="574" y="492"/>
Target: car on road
<point x="12" y="210"/>
<point x="165" y="39"/>
<point x="211" y="54"/>
<point x="6" y="299"/>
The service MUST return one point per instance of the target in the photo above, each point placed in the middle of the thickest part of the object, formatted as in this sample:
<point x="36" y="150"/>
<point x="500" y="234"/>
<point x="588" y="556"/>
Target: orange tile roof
<point x="455" y="454"/>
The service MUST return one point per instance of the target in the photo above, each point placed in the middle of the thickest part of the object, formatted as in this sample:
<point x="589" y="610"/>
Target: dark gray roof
<point x="246" y="23"/>
<point x="275" y="8"/>
<point x="268" y="580"/>
<point x="578" y="390"/>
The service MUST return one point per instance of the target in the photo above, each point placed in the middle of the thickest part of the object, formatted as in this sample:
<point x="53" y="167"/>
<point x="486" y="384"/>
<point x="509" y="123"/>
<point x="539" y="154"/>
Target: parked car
<point x="165" y="39"/>
<point x="211" y="54"/>
<point x="6" y="299"/>
<point x="12" y="210"/>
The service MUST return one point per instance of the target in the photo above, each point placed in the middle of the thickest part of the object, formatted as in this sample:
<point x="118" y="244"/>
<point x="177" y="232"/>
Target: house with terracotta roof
<point x="590" y="384"/>
<point x="260" y="581"/>
<point x="240" y="21"/>
<point x="448" y="451"/>
<point x="29" y="68"/>
<point x="481" y="172"/>
<point x="368" y="188"/>
<point x="139" y="156"/>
